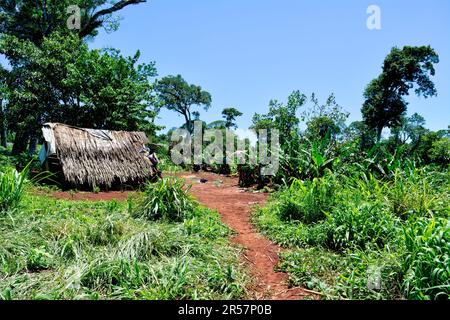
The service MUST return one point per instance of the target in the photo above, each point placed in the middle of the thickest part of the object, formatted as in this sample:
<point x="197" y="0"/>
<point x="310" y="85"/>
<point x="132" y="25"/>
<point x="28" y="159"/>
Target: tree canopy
<point x="403" y="70"/>
<point x="177" y="95"/>
<point x="230" y="115"/>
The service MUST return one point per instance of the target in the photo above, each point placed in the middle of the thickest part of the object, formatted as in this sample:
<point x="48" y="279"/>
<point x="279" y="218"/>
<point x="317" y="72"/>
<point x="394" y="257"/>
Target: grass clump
<point x="167" y="199"/>
<point x="307" y="201"/>
<point x="427" y="260"/>
<point x="12" y="188"/>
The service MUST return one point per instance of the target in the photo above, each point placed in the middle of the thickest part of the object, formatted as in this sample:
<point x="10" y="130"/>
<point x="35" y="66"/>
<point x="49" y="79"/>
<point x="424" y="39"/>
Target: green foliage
<point x="174" y="93"/>
<point x="167" y="199"/>
<point x="427" y="260"/>
<point x="12" y="188"/>
<point x="230" y="115"/>
<point x="35" y="20"/>
<point x="440" y="152"/>
<point x="359" y="226"/>
<point x="403" y="68"/>
<point x="48" y="83"/>
<point x="384" y="236"/>
<point x="57" y="249"/>
<point x="308" y="201"/>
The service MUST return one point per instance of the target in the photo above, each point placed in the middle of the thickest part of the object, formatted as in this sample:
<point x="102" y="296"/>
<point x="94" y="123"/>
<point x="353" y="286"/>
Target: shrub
<point x="360" y="226"/>
<point x="12" y="188"/>
<point x="427" y="262"/>
<point x="168" y="199"/>
<point x="308" y="201"/>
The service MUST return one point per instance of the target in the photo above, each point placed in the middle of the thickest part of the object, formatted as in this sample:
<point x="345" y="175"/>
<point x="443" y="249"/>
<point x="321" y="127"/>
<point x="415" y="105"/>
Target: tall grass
<point x="12" y="188"/>
<point x="56" y="249"/>
<point x="392" y="227"/>
<point x="167" y="199"/>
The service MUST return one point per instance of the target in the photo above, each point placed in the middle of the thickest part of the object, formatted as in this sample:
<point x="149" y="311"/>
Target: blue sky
<point x="246" y="52"/>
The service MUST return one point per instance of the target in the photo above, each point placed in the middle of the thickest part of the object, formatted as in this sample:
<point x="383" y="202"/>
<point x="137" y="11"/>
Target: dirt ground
<point x="90" y="196"/>
<point x="234" y="204"/>
<point x="260" y="254"/>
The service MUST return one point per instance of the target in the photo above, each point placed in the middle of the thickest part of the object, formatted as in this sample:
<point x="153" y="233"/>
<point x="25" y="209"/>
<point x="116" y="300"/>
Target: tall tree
<point x="323" y="119"/>
<point x="177" y="95"/>
<point x="50" y="84"/>
<point x="3" y="103"/>
<point x="282" y="116"/>
<point x="403" y="70"/>
<point x="34" y="20"/>
<point x="230" y="115"/>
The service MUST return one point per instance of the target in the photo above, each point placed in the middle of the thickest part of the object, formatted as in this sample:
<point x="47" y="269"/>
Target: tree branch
<point x="95" y="21"/>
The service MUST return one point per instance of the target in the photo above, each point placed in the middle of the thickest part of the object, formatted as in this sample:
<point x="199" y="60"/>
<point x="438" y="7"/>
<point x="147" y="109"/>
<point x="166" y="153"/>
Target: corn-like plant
<point x="427" y="262"/>
<point x="12" y="188"/>
<point x="168" y="199"/>
<point x="308" y="201"/>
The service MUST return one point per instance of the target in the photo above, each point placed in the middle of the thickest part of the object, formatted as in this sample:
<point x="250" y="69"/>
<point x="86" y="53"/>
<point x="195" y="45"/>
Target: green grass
<point x="167" y="199"/>
<point x="12" y="188"/>
<point x="380" y="238"/>
<point x="55" y="249"/>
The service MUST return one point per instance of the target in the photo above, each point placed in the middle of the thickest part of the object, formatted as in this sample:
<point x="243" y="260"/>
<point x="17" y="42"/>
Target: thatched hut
<point x="88" y="157"/>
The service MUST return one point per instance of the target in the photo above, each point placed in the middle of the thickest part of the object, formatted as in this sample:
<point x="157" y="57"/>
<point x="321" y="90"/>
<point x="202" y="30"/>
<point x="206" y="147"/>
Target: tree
<point x="230" y="115"/>
<point x="49" y="84"/>
<point x="177" y="95"/>
<point x="403" y="69"/>
<point x="35" y="20"/>
<point x="323" y="119"/>
<point x="410" y="129"/>
<point x="3" y="104"/>
<point x="282" y="117"/>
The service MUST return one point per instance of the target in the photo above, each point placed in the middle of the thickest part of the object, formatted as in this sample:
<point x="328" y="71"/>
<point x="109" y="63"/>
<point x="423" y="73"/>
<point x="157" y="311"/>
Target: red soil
<point x="90" y="196"/>
<point x="261" y="255"/>
<point x="234" y="204"/>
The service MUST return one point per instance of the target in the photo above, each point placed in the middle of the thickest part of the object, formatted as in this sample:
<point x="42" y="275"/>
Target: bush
<point x="12" y="188"/>
<point x="360" y="226"/>
<point x="308" y="201"/>
<point x="427" y="262"/>
<point x="168" y="199"/>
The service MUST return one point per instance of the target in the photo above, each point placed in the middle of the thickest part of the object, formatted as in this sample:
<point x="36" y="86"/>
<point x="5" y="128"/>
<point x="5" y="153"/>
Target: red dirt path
<point x="234" y="204"/>
<point x="261" y="255"/>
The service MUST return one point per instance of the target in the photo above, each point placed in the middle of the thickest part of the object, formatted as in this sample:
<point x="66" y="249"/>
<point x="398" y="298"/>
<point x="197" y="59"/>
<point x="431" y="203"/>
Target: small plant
<point x="39" y="259"/>
<point x="96" y="189"/>
<point x="308" y="201"/>
<point x="12" y="188"/>
<point x="168" y="199"/>
<point x="360" y="226"/>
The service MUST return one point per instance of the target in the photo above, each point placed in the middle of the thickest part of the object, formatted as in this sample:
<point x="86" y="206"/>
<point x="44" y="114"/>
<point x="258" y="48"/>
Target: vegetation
<point x="345" y="232"/>
<point x="230" y="115"/>
<point x="177" y="95"/>
<point x="56" y="249"/>
<point x="167" y="199"/>
<point x="362" y="214"/>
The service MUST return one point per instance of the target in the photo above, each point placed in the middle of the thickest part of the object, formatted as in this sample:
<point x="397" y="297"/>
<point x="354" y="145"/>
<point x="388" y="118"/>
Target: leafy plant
<point x="360" y="226"/>
<point x="427" y="261"/>
<point x="168" y="199"/>
<point x="308" y="201"/>
<point x="12" y="188"/>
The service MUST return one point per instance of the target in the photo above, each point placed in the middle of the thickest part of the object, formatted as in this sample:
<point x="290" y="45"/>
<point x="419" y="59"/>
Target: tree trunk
<point x="20" y="142"/>
<point x="3" y="127"/>
<point x="379" y="132"/>
<point x="3" y="135"/>
<point x="33" y="144"/>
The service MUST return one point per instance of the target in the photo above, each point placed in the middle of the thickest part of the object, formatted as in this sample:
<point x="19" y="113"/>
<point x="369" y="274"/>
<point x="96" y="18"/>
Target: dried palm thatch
<point x="98" y="157"/>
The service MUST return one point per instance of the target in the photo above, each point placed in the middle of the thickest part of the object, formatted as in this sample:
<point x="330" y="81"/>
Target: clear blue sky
<point x="246" y="52"/>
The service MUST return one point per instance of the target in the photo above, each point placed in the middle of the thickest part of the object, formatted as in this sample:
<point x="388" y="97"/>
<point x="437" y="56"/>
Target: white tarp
<point x="49" y="147"/>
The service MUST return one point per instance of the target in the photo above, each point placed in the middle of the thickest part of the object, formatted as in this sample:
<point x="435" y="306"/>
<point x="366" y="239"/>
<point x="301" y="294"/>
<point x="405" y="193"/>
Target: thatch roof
<point x="98" y="157"/>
